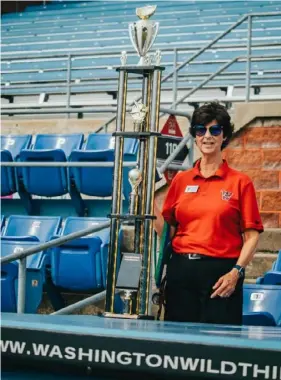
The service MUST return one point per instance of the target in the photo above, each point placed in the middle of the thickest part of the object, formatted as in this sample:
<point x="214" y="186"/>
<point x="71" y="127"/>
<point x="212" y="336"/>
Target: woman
<point x="215" y="225"/>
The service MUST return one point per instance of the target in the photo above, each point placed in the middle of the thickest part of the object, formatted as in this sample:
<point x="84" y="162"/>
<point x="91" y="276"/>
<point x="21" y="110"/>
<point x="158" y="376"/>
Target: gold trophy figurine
<point x="138" y="113"/>
<point x="135" y="178"/>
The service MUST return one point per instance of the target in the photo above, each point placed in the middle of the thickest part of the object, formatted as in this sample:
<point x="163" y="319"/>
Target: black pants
<point x="189" y="287"/>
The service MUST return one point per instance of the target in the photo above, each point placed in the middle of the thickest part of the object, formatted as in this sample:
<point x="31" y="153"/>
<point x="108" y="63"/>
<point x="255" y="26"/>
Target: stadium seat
<point x="31" y="228"/>
<point x="100" y="147"/>
<point x="81" y="264"/>
<point x="21" y="228"/>
<point x="73" y="265"/>
<point x="261" y="305"/>
<point x="73" y="224"/>
<point x="2" y="222"/>
<point x="11" y="147"/>
<point x="273" y="277"/>
<point x="49" y="148"/>
<point x="9" y="277"/>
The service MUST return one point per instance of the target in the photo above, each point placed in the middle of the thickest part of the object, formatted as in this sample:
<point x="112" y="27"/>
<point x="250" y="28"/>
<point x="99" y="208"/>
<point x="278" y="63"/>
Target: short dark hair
<point x="212" y="111"/>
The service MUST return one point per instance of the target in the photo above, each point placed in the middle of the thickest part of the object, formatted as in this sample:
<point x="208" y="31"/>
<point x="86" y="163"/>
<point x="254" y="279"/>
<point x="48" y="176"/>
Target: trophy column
<point x="133" y="277"/>
<point x="116" y="192"/>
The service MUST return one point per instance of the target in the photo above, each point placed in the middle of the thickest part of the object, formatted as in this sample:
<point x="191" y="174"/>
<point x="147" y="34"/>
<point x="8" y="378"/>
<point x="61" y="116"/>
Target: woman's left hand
<point x="226" y="284"/>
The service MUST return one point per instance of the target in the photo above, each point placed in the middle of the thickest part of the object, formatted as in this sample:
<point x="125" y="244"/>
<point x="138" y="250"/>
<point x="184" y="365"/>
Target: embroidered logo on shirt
<point x="226" y="195"/>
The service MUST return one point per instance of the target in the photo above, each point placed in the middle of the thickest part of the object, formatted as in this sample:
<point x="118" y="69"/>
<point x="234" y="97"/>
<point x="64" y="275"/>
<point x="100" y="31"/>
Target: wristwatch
<point x="241" y="270"/>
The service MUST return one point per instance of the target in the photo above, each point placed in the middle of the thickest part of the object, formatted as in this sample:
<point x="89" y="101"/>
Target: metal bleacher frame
<point x="178" y="78"/>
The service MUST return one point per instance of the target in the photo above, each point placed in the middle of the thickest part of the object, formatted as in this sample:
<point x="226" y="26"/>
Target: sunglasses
<point x="200" y="130"/>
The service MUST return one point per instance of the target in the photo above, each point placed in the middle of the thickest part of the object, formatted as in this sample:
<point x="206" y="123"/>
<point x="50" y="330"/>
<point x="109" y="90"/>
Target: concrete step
<point x="261" y="263"/>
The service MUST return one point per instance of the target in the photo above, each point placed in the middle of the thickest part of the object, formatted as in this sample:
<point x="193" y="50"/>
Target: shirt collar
<point x="221" y="172"/>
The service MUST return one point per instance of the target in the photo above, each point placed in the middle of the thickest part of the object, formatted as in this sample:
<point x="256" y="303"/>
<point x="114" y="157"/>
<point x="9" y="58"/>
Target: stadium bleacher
<point x="49" y="34"/>
<point x="62" y="148"/>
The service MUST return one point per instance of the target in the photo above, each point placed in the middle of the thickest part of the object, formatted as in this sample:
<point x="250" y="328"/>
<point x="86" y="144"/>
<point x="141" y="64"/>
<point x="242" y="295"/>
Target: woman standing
<point x="215" y="225"/>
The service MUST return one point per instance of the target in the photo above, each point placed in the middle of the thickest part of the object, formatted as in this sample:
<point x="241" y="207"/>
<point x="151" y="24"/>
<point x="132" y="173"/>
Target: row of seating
<point x="267" y="80"/>
<point x="123" y="42"/>
<point x="53" y="181"/>
<point x="208" y="57"/>
<point x="84" y="62"/>
<point x="101" y="38"/>
<point x="261" y="67"/>
<point x="66" y="8"/>
<point x="95" y="29"/>
<point x="78" y="265"/>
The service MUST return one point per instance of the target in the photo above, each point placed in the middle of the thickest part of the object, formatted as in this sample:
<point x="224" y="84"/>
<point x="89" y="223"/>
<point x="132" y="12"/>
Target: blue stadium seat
<point x="50" y="148"/>
<point x="273" y="277"/>
<point x="2" y="222"/>
<point x="9" y="277"/>
<point x="11" y="147"/>
<point x="21" y="228"/>
<point x="261" y="305"/>
<point x="73" y="264"/>
<point x="8" y="178"/>
<point x="81" y="264"/>
<point x="15" y="144"/>
<point x="31" y="228"/>
<point x="73" y="224"/>
<point x="100" y="147"/>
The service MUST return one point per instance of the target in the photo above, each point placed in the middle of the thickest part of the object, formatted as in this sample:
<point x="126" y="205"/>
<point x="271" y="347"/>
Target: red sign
<point x="167" y="146"/>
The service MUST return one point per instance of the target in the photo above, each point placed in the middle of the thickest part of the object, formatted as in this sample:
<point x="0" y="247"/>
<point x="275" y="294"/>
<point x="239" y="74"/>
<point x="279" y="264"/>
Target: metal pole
<point x="175" y="78"/>
<point x="150" y="187"/>
<point x="181" y="145"/>
<point x="21" y="286"/>
<point x="67" y="164"/>
<point x="68" y="83"/>
<point x="248" y="64"/>
<point x="207" y="80"/>
<point x="80" y="304"/>
<point x="117" y="192"/>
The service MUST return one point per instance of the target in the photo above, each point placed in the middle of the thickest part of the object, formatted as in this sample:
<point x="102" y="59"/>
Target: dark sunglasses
<point x="200" y="130"/>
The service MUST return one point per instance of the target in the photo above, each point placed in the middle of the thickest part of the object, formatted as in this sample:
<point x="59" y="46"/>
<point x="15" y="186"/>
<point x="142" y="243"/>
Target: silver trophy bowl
<point x="143" y="33"/>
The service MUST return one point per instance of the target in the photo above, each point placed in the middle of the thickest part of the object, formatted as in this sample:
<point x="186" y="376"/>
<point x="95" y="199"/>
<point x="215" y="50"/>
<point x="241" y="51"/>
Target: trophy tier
<point x="135" y="69"/>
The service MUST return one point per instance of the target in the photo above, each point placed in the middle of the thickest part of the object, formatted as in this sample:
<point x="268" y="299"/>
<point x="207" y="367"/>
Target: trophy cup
<point x="143" y="32"/>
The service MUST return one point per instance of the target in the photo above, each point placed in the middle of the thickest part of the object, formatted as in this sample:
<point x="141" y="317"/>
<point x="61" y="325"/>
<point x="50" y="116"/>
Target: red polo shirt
<point x="211" y="213"/>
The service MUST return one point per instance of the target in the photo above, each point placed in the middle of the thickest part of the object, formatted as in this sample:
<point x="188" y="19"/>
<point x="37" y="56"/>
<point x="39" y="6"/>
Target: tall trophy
<point x="143" y="33"/>
<point x="133" y="275"/>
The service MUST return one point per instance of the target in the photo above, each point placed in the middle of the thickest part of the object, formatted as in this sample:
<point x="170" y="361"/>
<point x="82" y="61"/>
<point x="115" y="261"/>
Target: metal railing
<point x="21" y="256"/>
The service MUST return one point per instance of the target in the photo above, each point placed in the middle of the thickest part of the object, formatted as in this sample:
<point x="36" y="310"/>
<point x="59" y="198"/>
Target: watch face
<point x="242" y="272"/>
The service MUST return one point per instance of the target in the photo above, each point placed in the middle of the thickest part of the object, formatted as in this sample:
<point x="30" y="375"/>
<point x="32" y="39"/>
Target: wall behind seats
<point x="256" y="151"/>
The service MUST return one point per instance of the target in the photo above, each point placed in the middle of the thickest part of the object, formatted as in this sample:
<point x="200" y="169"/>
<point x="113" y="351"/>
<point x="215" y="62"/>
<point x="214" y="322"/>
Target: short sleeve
<point x="250" y="216"/>
<point x="168" y="210"/>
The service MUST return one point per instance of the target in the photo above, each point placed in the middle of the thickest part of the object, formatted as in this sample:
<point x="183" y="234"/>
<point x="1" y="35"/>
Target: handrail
<point x="53" y="243"/>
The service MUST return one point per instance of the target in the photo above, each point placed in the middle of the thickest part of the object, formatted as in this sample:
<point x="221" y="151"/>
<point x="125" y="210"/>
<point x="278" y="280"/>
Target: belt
<point x="194" y="256"/>
<point x="197" y="256"/>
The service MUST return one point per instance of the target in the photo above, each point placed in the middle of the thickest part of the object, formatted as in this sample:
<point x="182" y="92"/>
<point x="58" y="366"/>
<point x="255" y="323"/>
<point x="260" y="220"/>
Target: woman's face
<point x="209" y="143"/>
